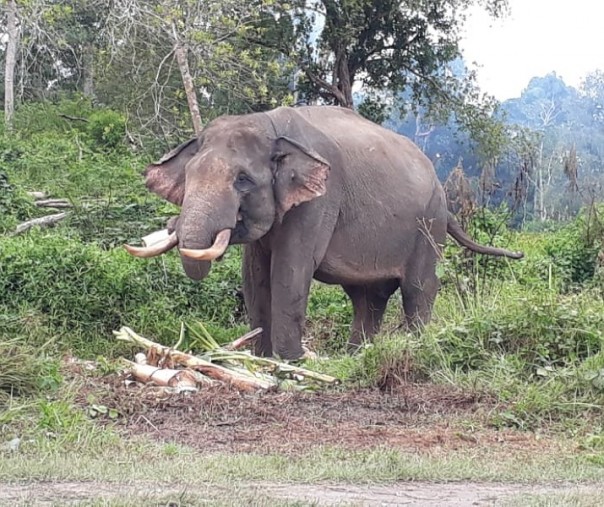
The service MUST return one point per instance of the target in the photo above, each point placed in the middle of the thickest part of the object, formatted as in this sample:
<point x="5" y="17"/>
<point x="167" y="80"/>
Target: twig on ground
<point x="53" y="203"/>
<point x="46" y="221"/>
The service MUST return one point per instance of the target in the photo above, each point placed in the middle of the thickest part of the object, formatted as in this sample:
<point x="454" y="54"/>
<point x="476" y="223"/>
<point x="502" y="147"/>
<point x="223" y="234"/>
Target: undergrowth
<point x="529" y="332"/>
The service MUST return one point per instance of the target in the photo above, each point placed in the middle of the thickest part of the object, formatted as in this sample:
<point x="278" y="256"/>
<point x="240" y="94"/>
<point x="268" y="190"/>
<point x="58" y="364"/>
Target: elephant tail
<point x="455" y="230"/>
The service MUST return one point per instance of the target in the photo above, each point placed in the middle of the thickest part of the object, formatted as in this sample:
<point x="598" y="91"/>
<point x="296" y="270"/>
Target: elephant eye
<point x="244" y="182"/>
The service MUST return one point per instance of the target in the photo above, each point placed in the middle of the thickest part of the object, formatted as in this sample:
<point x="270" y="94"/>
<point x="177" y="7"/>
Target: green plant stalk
<point x="277" y="367"/>
<point x="205" y="339"/>
<point x="240" y="380"/>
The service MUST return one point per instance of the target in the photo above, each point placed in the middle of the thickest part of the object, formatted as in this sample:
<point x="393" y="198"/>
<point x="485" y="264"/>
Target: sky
<point x="536" y="38"/>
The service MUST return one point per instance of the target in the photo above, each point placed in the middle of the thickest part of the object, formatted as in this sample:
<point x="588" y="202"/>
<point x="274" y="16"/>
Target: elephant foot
<point x="309" y="354"/>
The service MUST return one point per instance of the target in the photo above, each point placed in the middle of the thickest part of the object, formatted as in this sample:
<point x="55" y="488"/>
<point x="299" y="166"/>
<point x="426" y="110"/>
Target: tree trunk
<point x="538" y="198"/>
<point x="187" y="80"/>
<point x="88" y="71"/>
<point x="345" y="82"/>
<point x="11" y="59"/>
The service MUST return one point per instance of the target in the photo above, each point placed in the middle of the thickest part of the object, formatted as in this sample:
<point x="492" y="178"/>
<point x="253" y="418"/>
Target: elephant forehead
<point x="210" y="171"/>
<point x="237" y="138"/>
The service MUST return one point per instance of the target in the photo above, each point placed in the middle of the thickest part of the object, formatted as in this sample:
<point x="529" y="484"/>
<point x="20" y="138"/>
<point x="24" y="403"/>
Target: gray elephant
<point x="317" y="192"/>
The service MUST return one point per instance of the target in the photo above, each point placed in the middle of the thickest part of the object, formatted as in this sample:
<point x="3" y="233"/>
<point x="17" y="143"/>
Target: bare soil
<point x="419" y="417"/>
<point x="413" y="494"/>
<point x="412" y="417"/>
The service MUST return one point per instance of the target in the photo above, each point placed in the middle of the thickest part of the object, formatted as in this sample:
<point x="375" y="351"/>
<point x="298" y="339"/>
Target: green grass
<point x="147" y="462"/>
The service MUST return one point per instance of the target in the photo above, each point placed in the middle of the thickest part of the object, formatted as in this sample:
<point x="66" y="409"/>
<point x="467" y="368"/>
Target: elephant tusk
<point x="162" y="243"/>
<point x="209" y="254"/>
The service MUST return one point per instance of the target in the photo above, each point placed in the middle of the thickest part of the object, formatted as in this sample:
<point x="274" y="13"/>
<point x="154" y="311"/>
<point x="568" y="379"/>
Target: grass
<point x="148" y="462"/>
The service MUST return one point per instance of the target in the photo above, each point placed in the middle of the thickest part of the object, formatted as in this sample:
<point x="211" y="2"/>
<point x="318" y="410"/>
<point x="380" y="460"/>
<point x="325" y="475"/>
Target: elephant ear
<point x="300" y="174"/>
<point x="166" y="177"/>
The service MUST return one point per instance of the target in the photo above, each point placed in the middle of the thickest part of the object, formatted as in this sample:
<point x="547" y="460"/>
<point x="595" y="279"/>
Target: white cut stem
<point x="215" y="371"/>
<point x="155" y="237"/>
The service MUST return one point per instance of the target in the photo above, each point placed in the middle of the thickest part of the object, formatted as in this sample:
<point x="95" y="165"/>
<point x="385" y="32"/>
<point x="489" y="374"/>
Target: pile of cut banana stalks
<point x="228" y="364"/>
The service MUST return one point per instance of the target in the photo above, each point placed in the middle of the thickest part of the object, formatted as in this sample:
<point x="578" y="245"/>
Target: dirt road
<point x="418" y="494"/>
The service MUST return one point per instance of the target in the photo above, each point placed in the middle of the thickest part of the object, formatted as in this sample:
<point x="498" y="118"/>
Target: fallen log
<point x="238" y="379"/>
<point x="53" y="203"/>
<point x="45" y="221"/>
<point x="73" y="118"/>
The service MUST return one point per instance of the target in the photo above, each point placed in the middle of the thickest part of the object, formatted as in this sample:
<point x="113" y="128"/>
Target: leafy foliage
<point x="15" y="205"/>
<point x="84" y="293"/>
<point x="107" y="128"/>
<point x="401" y="49"/>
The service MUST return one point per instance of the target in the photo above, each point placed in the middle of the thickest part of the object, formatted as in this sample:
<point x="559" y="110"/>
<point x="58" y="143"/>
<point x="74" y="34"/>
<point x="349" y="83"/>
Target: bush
<point x="542" y="329"/>
<point x="24" y="370"/>
<point x="82" y="293"/>
<point x="15" y="205"/>
<point x="562" y="258"/>
<point x="107" y="128"/>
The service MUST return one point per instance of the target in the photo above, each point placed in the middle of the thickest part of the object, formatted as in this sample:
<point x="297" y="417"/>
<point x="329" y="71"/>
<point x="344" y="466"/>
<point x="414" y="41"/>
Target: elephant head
<point x="233" y="184"/>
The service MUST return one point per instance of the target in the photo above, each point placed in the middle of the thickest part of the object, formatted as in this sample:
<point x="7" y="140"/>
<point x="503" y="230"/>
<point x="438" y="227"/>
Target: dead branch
<point x="46" y="221"/>
<point x="54" y="203"/>
<point x="73" y="118"/>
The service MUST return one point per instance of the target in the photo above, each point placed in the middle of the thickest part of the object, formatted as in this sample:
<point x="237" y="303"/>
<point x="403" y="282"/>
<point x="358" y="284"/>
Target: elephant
<point x="311" y="192"/>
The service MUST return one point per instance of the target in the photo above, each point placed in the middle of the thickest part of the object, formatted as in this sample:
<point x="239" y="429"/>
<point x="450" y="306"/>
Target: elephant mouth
<point x="162" y="241"/>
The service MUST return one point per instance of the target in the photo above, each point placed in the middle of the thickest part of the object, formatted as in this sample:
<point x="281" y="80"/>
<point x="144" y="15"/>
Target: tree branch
<point x="331" y="89"/>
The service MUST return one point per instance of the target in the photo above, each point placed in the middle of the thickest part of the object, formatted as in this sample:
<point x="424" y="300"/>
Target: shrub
<point x="15" y="205"/>
<point x="83" y="293"/>
<point x="24" y="370"/>
<point x="107" y="128"/>
<point x="540" y="328"/>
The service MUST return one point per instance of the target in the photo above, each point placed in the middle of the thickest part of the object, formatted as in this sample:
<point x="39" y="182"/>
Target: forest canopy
<point x="167" y="67"/>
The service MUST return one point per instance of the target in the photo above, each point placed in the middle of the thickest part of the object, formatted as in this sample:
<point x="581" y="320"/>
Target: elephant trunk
<point x="204" y="233"/>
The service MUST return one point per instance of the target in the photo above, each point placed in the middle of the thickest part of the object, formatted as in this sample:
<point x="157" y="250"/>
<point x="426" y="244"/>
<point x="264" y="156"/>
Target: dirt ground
<point x="415" y="494"/>
<point x="412" y="418"/>
<point x="220" y="419"/>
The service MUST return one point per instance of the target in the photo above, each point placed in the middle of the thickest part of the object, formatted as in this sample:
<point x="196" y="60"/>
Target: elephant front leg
<point x="290" y="285"/>
<point x="257" y="294"/>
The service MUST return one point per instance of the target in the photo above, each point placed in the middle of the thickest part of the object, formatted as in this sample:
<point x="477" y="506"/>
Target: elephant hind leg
<point x="420" y="284"/>
<point x="418" y="300"/>
<point x="369" y="304"/>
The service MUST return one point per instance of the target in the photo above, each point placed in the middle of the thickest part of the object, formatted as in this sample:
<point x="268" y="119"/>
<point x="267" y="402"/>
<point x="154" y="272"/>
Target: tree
<point x="12" y="32"/>
<point x="207" y="43"/>
<point x="387" y="45"/>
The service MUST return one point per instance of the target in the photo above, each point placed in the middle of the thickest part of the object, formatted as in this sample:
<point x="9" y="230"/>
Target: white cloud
<point x="540" y="36"/>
